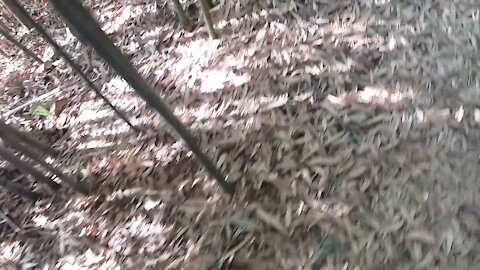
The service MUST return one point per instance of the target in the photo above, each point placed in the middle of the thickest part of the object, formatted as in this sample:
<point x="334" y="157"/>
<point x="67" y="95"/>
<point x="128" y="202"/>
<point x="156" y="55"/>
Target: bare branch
<point x="15" y="143"/>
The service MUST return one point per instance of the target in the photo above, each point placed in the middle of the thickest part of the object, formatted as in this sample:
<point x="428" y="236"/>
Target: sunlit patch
<point x="254" y="16"/>
<point x="214" y="80"/>
<point x="377" y="95"/>
<point x="93" y="114"/>
<point x="10" y="252"/>
<point x="120" y="18"/>
<point x="231" y="107"/>
<point x="196" y="56"/>
<point x="138" y="227"/>
<point x="476" y="15"/>
<point x="40" y="221"/>
<point x="93" y="144"/>
<point x="117" y="85"/>
<point x="459" y="114"/>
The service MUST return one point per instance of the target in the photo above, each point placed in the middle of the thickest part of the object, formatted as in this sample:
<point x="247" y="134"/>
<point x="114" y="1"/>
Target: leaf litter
<point x="349" y="128"/>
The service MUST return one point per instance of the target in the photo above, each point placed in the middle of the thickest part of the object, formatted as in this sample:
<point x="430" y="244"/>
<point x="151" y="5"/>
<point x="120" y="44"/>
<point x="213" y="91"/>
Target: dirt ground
<point x="350" y="129"/>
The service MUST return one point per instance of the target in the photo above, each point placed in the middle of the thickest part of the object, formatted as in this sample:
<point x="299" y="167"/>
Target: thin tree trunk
<point x="19" y="45"/>
<point x="207" y="18"/>
<point x="69" y="60"/>
<point x="17" y="13"/>
<point x="27" y="139"/>
<point x="181" y="14"/>
<point x="18" y="189"/>
<point x="31" y="154"/>
<point x="27" y="168"/>
<point x="85" y="24"/>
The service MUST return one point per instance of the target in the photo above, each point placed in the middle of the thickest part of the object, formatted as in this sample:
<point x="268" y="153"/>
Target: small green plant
<point x="40" y="110"/>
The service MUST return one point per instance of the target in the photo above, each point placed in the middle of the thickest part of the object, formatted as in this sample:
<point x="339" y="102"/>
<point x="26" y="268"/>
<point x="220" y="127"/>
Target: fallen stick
<point x="10" y="222"/>
<point x="32" y="101"/>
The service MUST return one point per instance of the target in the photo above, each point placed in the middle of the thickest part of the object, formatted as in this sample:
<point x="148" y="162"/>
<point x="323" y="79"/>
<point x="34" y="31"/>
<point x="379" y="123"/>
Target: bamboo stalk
<point x="75" y="66"/>
<point x="26" y="138"/>
<point x="27" y="168"/>
<point x="19" y="45"/>
<point x="15" y="143"/>
<point x="207" y="18"/>
<point x="82" y="20"/>
<point x="181" y="14"/>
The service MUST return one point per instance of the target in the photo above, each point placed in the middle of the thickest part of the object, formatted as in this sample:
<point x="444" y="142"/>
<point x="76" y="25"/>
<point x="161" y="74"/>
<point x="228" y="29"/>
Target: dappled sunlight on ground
<point x="350" y="130"/>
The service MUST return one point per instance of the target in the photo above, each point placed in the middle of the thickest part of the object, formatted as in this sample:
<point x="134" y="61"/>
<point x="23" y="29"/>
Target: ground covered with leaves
<point x="350" y="129"/>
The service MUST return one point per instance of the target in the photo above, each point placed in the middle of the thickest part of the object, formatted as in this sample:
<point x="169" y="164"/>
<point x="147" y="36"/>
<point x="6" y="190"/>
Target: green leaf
<point x="41" y="111"/>
<point x="324" y="247"/>
<point x="356" y="137"/>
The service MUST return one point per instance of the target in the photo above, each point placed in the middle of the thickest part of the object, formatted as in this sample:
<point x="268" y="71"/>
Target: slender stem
<point x="31" y="154"/>
<point x="181" y="14"/>
<point x="81" y="19"/>
<point x="207" y="18"/>
<point x="27" y="168"/>
<point x="69" y="60"/>
<point x="19" y="45"/>
<point x="27" y="138"/>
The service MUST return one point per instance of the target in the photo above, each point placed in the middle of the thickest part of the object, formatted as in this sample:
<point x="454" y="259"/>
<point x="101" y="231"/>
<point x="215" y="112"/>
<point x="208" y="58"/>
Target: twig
<point x="69" y="60"/>
<point x="79" y="17"/>
<point x="207" y="18"/>
<point x="181" y="14"/>
<point x="32" y="101"/>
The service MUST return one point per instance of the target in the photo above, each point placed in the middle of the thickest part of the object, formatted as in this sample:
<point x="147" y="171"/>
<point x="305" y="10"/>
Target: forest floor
<point x="350" y="128"/>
